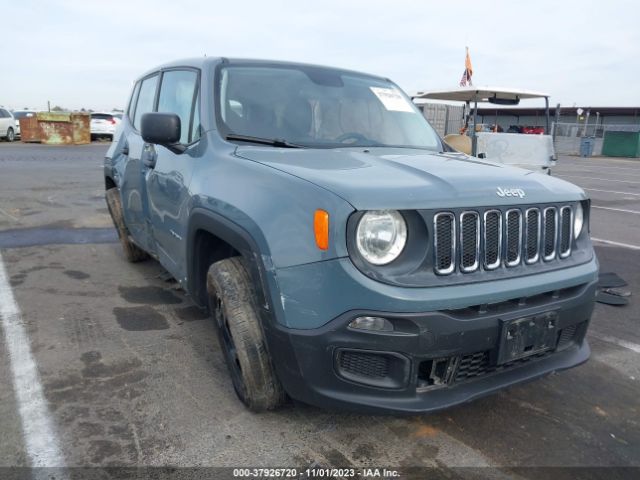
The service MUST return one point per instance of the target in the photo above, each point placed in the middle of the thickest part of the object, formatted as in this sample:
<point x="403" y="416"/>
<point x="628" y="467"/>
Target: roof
<point x="469" y="94"/>
<point x="197" y="62"/>
<point x="203" y="62"/>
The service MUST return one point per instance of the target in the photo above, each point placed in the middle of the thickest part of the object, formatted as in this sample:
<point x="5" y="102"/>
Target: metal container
<point x="29" y="129"/>
<point x="81" y="128"/>
<point x="586" y="146"/>
<point x="57" y="128"/>
<point x="622" y="144"/>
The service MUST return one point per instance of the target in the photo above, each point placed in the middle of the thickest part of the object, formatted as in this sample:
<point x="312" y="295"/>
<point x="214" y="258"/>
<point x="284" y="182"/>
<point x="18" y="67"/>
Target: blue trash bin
<point x="586" y="146"/>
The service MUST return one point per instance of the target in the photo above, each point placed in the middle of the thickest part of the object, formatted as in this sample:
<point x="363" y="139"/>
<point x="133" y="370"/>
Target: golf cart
<point x="531" y="151"/>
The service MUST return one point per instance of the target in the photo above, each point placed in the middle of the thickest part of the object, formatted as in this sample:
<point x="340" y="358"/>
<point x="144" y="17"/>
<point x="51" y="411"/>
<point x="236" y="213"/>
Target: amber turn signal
<point x="321" y="229"/>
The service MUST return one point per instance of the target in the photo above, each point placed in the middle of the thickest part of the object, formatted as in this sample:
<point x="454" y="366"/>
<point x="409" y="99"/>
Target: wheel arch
<point x="109" y="183"/>
<point x="230" y="239"/>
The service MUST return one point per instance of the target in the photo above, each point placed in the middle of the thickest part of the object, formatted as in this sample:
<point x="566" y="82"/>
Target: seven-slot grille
<point x="492" y="238"/>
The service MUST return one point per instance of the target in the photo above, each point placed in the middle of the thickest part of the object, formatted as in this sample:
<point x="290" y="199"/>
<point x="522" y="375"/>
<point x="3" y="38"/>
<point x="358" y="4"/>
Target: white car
<point x="8" y="127"/>
<point x="104" y="124"/>
<point x="20" y="114"/>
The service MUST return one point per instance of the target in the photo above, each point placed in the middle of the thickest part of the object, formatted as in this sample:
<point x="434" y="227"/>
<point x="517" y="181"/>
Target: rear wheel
<point x="233" y="304"/>
<point x="132" y="252"/>
<point x="10" y="135"/>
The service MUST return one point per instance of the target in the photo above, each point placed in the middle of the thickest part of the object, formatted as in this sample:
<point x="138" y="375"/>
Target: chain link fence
<point x="568" y="136"/>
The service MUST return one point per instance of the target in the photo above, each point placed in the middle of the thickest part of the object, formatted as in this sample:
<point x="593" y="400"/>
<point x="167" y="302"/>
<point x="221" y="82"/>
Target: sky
<point x="87" y="54"/>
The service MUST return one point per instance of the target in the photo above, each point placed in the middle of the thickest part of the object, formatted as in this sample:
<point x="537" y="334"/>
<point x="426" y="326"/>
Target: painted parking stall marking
<point x="622" y="210"/>
<point x="39" y="434"/>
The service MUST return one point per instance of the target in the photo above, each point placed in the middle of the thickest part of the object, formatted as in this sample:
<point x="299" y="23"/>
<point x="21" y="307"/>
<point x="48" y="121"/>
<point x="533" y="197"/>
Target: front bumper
<point x="103" y="130"/>
<point x="387" y="372"/>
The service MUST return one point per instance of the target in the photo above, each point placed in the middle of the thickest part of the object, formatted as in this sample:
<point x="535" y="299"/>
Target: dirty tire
<point x="132" y="252"/>
<point x="233" y="303"/>
<point x="10" y="135"/>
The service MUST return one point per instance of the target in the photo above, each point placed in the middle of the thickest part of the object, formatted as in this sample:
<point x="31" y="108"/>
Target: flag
<point x="468" y="71"/>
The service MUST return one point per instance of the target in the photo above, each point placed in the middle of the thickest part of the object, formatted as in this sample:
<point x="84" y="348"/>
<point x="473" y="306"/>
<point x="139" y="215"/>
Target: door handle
<point x="149" y="156"/>
<point x="150" y="161"/>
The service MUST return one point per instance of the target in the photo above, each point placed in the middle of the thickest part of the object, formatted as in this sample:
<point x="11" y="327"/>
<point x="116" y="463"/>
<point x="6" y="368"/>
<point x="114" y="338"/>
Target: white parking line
<point x="622" y="343"/>
<point x="623" y="210"/>
<point x="8" y="215"/>
<point x="611" y="191"/>
<point x="616" y="244"/>
<point x="40" y="439"/>
<point x="635" y="168"/>
<point x="597" y="178"/>
<point x="626" y="172"/>
<point x="602" y="161"/>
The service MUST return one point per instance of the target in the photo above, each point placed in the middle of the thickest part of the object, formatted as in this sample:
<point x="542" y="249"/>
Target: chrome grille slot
<point x="469" y="241"/>
<point x="513" y="242"/>
<point x="532" y="236"/>
<point x="550" y="233"/>
<point x="566" y="231"/>
<point x="492" y="239"/>
<point x="444" y="225"/>
<point x="489" y="239"/>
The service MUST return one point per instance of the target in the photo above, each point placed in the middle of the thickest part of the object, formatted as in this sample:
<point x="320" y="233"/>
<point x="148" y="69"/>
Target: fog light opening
<point x="374" y="324"/>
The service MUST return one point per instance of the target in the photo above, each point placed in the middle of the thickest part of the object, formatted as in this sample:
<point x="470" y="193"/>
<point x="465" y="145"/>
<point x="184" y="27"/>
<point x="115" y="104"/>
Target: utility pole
<point x="586" y="122"/>
<point x="556" y="121"/>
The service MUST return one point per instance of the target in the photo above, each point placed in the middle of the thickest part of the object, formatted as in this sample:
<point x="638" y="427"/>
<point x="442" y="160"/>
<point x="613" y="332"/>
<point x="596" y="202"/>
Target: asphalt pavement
<point x="116" y="367"/>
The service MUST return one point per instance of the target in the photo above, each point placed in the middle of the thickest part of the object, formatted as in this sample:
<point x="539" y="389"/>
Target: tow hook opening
<point x="436" y="372"/>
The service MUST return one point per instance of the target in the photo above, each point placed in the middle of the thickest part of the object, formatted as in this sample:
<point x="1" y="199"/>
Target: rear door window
<point x="177" y="95"/>
<point x="146" y="99"/>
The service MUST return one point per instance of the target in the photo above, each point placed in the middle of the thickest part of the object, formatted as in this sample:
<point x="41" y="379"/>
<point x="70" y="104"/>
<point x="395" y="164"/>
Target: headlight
<point x="381" y="236"/>
<point x="578" y="221"/>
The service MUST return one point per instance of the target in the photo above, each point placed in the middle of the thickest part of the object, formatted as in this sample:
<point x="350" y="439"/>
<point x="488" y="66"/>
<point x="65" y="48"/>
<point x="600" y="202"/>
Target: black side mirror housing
<point x="162" y="129"/>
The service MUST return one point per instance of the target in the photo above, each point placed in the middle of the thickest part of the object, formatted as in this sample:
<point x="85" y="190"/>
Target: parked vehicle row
<point x="527" y="129"/>
<point x="103" y="124"/>
<point x="9" y="129"/>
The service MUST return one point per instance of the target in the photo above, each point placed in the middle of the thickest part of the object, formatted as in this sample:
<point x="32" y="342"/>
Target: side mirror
<point x="162" y="129"/>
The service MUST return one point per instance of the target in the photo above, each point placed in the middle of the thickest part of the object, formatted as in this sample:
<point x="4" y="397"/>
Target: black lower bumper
<point x="432" y="360"/>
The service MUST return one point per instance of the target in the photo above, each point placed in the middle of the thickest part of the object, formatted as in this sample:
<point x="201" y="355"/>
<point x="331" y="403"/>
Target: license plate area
<point x="523" y="337"/>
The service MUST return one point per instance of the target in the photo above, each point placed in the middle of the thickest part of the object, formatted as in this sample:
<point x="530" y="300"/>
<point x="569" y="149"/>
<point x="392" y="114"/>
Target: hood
<point x="399" y="178"/>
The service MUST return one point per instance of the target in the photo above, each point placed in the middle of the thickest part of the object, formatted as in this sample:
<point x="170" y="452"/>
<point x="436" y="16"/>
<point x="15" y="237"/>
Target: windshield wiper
<point x="276" y="142"/>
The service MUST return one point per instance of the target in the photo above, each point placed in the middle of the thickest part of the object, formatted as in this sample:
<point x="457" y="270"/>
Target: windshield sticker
<point x="392" y="99"/>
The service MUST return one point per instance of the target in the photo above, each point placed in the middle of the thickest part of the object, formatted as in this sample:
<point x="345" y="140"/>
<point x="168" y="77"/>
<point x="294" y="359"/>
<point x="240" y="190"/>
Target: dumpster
<point x="64" y="128"/>
<point x="586" y="146"/>
<point x="29" y="129"/>
<point x="58" y="128"/>
<point x="621" y="144"/>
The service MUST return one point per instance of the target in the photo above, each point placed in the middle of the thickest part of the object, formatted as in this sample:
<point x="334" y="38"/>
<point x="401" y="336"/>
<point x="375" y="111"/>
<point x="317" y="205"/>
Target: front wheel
<point x="10" y="135"/>
<point x="232" y="301"/>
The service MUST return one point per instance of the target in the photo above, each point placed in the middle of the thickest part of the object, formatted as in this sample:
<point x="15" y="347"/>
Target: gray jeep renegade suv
<point x="347" y="255"/>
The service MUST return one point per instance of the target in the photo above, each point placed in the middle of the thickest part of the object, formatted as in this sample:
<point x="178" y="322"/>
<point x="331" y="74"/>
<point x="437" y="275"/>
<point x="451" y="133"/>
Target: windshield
<point x="319" y="107"/>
